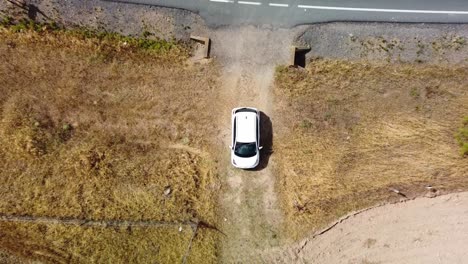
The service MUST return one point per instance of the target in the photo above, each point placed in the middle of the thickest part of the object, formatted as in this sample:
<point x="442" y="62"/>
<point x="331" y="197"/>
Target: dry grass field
<point x="354" y="130"/>
<point x="102" y="127"/>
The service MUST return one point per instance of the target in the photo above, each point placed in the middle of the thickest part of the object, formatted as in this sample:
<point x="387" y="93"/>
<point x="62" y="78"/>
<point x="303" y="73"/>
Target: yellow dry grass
<point x="356" y="129"/>
<point x="71" y="244"/>
<point x="93" y="130"/>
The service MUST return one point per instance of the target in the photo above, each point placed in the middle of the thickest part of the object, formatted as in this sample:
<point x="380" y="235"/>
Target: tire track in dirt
<point x="250" y="215"/>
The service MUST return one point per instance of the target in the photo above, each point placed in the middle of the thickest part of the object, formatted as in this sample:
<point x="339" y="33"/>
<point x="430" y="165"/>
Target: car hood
<point x="245" y="163"/>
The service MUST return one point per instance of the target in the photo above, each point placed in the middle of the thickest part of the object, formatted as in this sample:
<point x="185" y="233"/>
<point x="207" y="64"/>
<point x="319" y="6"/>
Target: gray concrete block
<point x="206" y="42"/>
<point x="298" y="55"/>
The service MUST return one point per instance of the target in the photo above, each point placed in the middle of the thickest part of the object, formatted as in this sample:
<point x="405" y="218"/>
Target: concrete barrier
<point x="206" y="42"/>
<point x="298" y="55"/>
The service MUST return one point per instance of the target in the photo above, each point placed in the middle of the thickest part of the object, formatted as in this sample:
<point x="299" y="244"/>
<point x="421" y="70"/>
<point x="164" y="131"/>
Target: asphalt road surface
<point x="288" y="13"/>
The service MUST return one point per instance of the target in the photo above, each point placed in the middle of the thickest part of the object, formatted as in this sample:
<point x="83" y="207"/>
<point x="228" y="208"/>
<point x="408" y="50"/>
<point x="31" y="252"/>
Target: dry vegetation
<point x="355" y="130"/>
<point x="71" y="244"/>
<point x="462" y="137"/>
<point x="101" y="128"/>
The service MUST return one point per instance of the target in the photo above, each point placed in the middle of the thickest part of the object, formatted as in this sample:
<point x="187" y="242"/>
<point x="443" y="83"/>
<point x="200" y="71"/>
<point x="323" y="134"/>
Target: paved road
<point x="287" y="13"/>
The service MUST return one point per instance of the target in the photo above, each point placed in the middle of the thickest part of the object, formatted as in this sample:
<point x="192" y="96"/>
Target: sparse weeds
<point x="145" y="43"/>
<point x="107" y="41"/>
<point x="448" y="42"/>
<point x="27" y="25"/>
<point x="414" y="92"/>
<point x="462" y="137"/>
<point x="458" y="42"/>
<point x="380" y="44"/>
<point x="306" y="124"/>
<point x="409" y="50"/>
<point x="421" y="48"/>
<point x="6" y="21"/>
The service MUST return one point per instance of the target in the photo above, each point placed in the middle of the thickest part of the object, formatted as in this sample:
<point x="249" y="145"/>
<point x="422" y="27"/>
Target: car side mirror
<point x="260" y="148"/>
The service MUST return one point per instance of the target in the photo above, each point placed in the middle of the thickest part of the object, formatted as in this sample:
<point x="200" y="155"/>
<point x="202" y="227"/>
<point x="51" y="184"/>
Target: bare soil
<point x="249" y="216"/>
<point x="423" y="230"/>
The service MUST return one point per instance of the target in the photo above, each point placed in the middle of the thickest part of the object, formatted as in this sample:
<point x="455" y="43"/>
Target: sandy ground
<point x="425" y="230"/>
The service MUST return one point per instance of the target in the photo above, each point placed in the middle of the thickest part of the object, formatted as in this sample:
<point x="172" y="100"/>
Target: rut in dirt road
<point x="251" y="218"/>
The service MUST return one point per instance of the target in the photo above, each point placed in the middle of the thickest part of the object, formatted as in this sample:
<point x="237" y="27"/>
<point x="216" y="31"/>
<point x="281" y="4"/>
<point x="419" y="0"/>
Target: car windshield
<point x="245" y="150"/>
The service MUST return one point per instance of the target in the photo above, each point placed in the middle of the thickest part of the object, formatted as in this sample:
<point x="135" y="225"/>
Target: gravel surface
<point x="127" y="19"/>
<point x="250" y="217"/>
<point x="388" y="42"/>
<point x="425" y="230"/>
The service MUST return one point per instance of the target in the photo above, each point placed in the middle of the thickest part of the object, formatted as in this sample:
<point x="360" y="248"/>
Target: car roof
<point x="246" y="127"/>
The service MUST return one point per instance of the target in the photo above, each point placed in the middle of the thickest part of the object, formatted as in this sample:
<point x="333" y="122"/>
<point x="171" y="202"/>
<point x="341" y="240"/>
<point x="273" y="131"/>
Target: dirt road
<point x="424" y="230"/>
<point x="250" y="215"/>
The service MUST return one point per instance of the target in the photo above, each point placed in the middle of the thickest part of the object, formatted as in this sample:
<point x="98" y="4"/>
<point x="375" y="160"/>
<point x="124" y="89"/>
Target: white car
<point x="245" y="148"/>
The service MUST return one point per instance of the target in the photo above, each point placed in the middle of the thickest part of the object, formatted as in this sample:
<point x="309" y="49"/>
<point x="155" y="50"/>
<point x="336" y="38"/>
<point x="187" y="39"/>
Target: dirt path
<point x="424" y="230"/>
<point x="250" y="215"/>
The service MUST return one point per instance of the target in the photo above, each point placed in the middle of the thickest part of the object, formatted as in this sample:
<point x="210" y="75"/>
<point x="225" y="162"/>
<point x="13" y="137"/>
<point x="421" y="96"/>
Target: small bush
<point x="27" y="129"/>
<point x="152" y="45"/>
<point x="28" y="25"/>
<point x="414" y="92"/>
<point x="306" y="124"/>
<point x="6" y="21"/>
<point x="462" y="137"/>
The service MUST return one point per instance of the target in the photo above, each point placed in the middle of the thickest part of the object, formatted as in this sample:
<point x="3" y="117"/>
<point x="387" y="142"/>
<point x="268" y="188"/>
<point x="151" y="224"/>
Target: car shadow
<point x="266" y="140"/>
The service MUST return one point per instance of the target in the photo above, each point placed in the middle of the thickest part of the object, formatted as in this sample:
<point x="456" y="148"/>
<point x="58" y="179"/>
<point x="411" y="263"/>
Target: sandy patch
<point x="424" y="230"/>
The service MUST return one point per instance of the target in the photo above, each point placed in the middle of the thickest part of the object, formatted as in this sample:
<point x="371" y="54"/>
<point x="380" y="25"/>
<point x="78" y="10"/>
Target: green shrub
<point x="26" y="128"/>
<point x="462" y="137"/>
<point x="152" y="45"/>
<point x="414" y="92"/>
<point x="27" y="25"/>
<point x="6" y="21"/>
